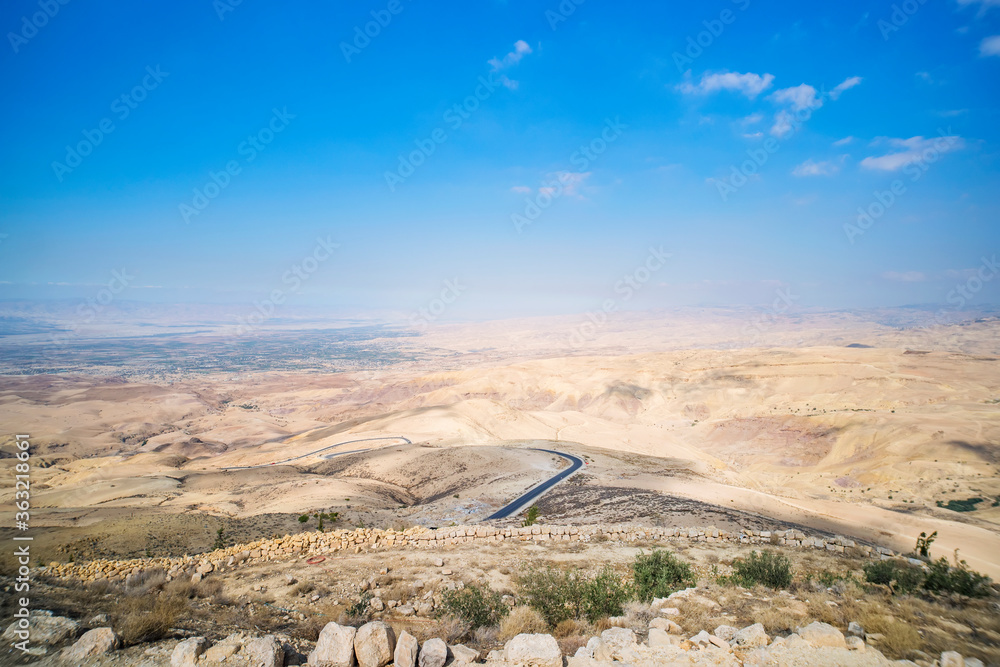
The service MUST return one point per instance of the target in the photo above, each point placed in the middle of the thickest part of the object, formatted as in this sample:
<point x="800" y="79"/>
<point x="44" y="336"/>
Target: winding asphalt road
<point x="322" y="449"/>
<point x="507" y="510"/>
<point x="514" y="507"/>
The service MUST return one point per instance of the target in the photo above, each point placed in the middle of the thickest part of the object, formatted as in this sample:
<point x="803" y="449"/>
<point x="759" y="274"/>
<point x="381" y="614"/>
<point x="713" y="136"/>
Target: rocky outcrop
<point x="92" y="644"/>
<point x="406" y="651"/>
<point x="187" y="652"/>
<point x="374" y="644"/>
<point x="433" y="653"/>
<point x="335" y="647"/>
<point x="533" y="651"/>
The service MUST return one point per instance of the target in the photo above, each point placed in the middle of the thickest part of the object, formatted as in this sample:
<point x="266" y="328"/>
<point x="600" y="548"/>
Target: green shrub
<point x="659" y="573"/>
<point x="555" y="594"/>
<point x="479" y="606"/>
<point x="605" y="595"/>
<point x="531" y="517"/>
<point x="943" y="578"/>
<point x="767" y="568"/>
<point x="900" y="577"/>
<point x="967" y="505"/>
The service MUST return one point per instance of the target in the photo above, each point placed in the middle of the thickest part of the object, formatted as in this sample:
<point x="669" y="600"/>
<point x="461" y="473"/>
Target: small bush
<point x="479" y="606"/>
<point x="659" y="573"/>
<point x="522" y="620"/>
<point x="604" y="595"/>
<point x="900" y="577"/>
<point x="767" y="568"/>
<point x="943" y="578"/>
<point x="531" y="517"/>
<point x="555" y="594"/>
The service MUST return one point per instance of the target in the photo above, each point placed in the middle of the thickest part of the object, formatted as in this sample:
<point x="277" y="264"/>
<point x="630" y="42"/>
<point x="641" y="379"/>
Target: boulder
<point x="725" y="632"/>
<point x="952" y="659"/>
<point x="855" y="643"/>
<point x="335" y="647"/>
<point x="751" y="636"/>
<point x="186" y="653"/>
<point x="617" y="644"/>
<point x="264" y="651"/>
<point x="407" y="647"/>
<point x="45" y="628"/>
<point x="536" y="650"/>
<point x="819" y="634"/>
<point x="660" y="638"/>
<point x="434" y="653"/>
<point x="93" y="643"/>
<point x="374" y="644"/>
<point x="854" y="628"/>
<point x="666" y="625"/>
<point x="463" y="655"/>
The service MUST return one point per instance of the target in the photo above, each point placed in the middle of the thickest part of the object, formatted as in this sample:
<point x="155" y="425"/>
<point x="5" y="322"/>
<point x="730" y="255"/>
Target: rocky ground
<point x="291" y="608"/>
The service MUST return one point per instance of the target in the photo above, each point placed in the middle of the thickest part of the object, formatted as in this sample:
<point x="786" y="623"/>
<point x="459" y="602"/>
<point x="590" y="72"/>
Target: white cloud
<point x="749" y="84"/>
<point x="905" y="276"/>
<point x="990" y="46"/>
<point x="753" y="135"/>
<point x="521" y="189"/>
<point x="812" y="168"/>
<point x="571" y="182"/>
<point x="752" y="119"/>
<point x="984" y="4"/>
<point x="844" y="141"/>
<point x="846" y="84"/>
<point x="912" y="150"/>
<point x="803" y="98"/>
<point x="798" y="97"/>
<point x="783" y="124"/>
<point x="521" y="49"/>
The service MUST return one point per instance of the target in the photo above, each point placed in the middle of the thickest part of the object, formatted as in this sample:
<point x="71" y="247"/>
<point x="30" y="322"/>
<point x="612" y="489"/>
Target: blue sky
<point x="550" y="151"/>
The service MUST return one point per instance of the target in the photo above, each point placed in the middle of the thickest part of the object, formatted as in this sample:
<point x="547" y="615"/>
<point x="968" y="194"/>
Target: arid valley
<point x="842" y="426"/>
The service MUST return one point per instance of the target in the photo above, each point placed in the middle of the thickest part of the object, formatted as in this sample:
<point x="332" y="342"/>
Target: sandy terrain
<point x="860" y="440"/>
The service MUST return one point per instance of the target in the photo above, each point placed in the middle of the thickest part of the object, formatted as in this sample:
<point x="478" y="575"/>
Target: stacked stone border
<point x="315" y="543"/>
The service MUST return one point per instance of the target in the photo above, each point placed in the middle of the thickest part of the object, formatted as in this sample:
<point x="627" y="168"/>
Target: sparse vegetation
<point x="967" y="505"/>
<point x="478" y="606"/>
<point x="899" y="576"/>
<point x="924" y="542"/>
<point x="767" y="568"/>
<point x="660" y="573"/>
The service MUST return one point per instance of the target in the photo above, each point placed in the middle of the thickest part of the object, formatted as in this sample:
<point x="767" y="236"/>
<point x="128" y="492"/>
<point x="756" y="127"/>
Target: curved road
<point x="513" y="507"/>
<point x="321" y="449"/>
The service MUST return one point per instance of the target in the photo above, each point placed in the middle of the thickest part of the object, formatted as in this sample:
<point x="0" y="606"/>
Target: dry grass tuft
<point x="146" y="619"/>
<point x="522" y="620"/>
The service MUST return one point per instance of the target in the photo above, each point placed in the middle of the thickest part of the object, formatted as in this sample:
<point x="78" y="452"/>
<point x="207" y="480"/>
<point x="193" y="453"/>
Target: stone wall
<point x="365" y="539"/>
